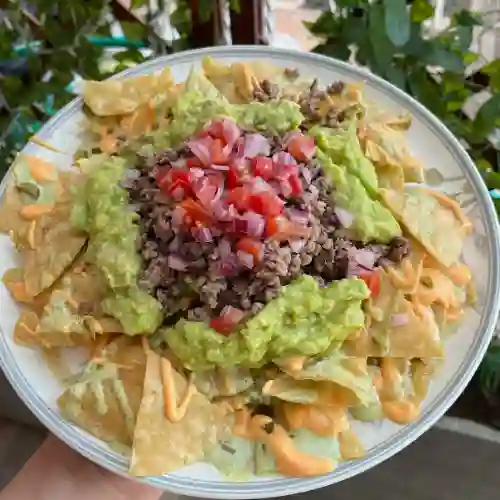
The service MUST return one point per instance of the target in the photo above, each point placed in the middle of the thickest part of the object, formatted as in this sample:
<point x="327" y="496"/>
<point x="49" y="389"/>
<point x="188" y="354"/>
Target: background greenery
<point x="45" y="43"/>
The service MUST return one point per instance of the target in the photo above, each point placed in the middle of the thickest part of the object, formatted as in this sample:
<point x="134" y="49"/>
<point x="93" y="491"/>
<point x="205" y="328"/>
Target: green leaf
<point x="421" y="10"/>
<point x="439" y="55"/>
<point x="493" y="71"/>
<point x="397" y="21"/>
<point x="465" y="17"/>
<point x="426" y="91"/>
<point x="327" y="24"/>
<point x="353" y="30"/>
<point x="138" y="3"/>
<point x="396" y="76"/>
<point x="134" y="31"/>
<point x="489" y="371"/>
<point x="336" y="50"/>
<point x="129" y="55"/>
<point x="492" y="179"/>
<point x="382" y="47"/>
<point x="487" y="117"/>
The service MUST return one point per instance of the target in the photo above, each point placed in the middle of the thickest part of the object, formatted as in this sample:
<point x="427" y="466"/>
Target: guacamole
<point x="304" y="320"/>
<point x="100" y="210"/>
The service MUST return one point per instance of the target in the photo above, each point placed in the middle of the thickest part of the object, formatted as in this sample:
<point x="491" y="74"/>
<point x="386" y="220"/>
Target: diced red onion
<point x="298" y="215"/>
<point x="201" y="148"/>
<point x="229" y="265"/>
<point x="285" y="188"/>
<point x="284" y="158"/>
<point x="178" y="216"/>
<point x="230" y="131"/>
<point x="245" y="258"/>
<point x="178" y="194"/>
<point x="259" y="185"/>
<point x="306" y="174"/>
<point x="232" y="314"/>
<point x="204" y="191"/>
<point x="255" y="145"/>
<point x="196" y="173"/>
<point x="297" y="245"/>
<point x="202" y="234"/>
<point x="239" y="226"/>
<point x="180" y="163"/>
<point x="175" y="244"/>
<point x="224" y="248"/>
<point x="221" y="168"/>
<point x="345" y="218"/>
<point x="223" y="212"/>
<point x="255" y="224"/>
<point x="363" y="257"/>
<point x="177" y="263"/>
<point x="399" y="319"/>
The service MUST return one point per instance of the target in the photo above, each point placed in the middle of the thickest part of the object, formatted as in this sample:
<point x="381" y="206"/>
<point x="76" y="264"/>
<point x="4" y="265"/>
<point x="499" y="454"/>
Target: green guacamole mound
<point x="304" y="320"/>
<point x="100" y="210"/>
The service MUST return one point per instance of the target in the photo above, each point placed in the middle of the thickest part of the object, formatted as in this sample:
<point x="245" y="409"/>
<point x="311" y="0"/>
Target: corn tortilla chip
<point x="73" y="315"/>
<point x="438" y="228"/>
<point x="56" y="245"/>
<point x="398" y="328"/>
<point x="105" y="399"/>
<point x="161" y="446"/>
<point x="120" y="97"/>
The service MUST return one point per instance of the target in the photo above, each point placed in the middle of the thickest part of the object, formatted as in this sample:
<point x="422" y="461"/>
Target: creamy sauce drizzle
<point x="289" y="460"/>
<point x="174" y="411"/>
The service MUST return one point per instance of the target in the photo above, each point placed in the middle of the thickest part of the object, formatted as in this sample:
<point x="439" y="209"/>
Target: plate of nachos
<point x="244" y="272"/>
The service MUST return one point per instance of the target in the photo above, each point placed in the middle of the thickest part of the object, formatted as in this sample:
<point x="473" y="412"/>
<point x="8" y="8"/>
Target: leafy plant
<point x="392" y="39"/>
<point x="45" y="43"/>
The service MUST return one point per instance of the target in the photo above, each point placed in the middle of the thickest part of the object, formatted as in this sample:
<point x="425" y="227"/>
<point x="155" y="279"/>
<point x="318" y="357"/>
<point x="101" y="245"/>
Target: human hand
<point x="56" y="472"/>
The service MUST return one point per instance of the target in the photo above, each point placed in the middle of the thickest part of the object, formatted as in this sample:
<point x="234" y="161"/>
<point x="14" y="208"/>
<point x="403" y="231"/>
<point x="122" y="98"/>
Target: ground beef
<point x="196" y="290"/>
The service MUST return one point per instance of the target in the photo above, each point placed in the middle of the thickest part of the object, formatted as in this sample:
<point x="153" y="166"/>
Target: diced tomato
<point x="194" y="163"/>
<point x="215" y="129"/>
<point x="251" y="246"/>
<point x="262" y="166"/>
<point x="281" y="229"/>
<point x="221" y="325"/>
<point x="196" y="212"/>
<point x="266" y="203"/>
<point x="228" y="320"/>
<point x="239" y="197"/>
<point x="296" y="185"/>
<point x="372" y="280"/>
<point x="232" y="178"/>
<point x="301" y="147"/>
<point x="179" y="186"/>
<point x="219" y="155"/>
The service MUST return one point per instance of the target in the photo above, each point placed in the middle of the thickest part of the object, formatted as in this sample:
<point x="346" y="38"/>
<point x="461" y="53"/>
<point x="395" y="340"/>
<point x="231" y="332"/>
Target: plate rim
<point x="78" y="440"/>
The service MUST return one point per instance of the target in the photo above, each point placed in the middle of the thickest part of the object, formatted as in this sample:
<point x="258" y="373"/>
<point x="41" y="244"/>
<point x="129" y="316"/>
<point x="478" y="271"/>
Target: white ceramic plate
<point x="451" y="168"/>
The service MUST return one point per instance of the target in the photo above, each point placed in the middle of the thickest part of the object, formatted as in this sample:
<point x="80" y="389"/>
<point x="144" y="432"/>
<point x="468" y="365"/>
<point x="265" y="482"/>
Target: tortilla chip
<point x="309" y="392"/>
<point x="161" y="446"/>
<point x="73" y="315"/>
<point x="56" y="245"/>
<point x="435" y="226"/>
<point x="223" y="382"/>
<point x="238" y="81"/>
<point x="349" y="372"/>
<point x="24" y="331"/>
<point x="387" y="147"/>
<point x="106" y="398"/>
<point x="398" y="328"/>
<point x="11" y="222"/>
<point x="121" y="97"/>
